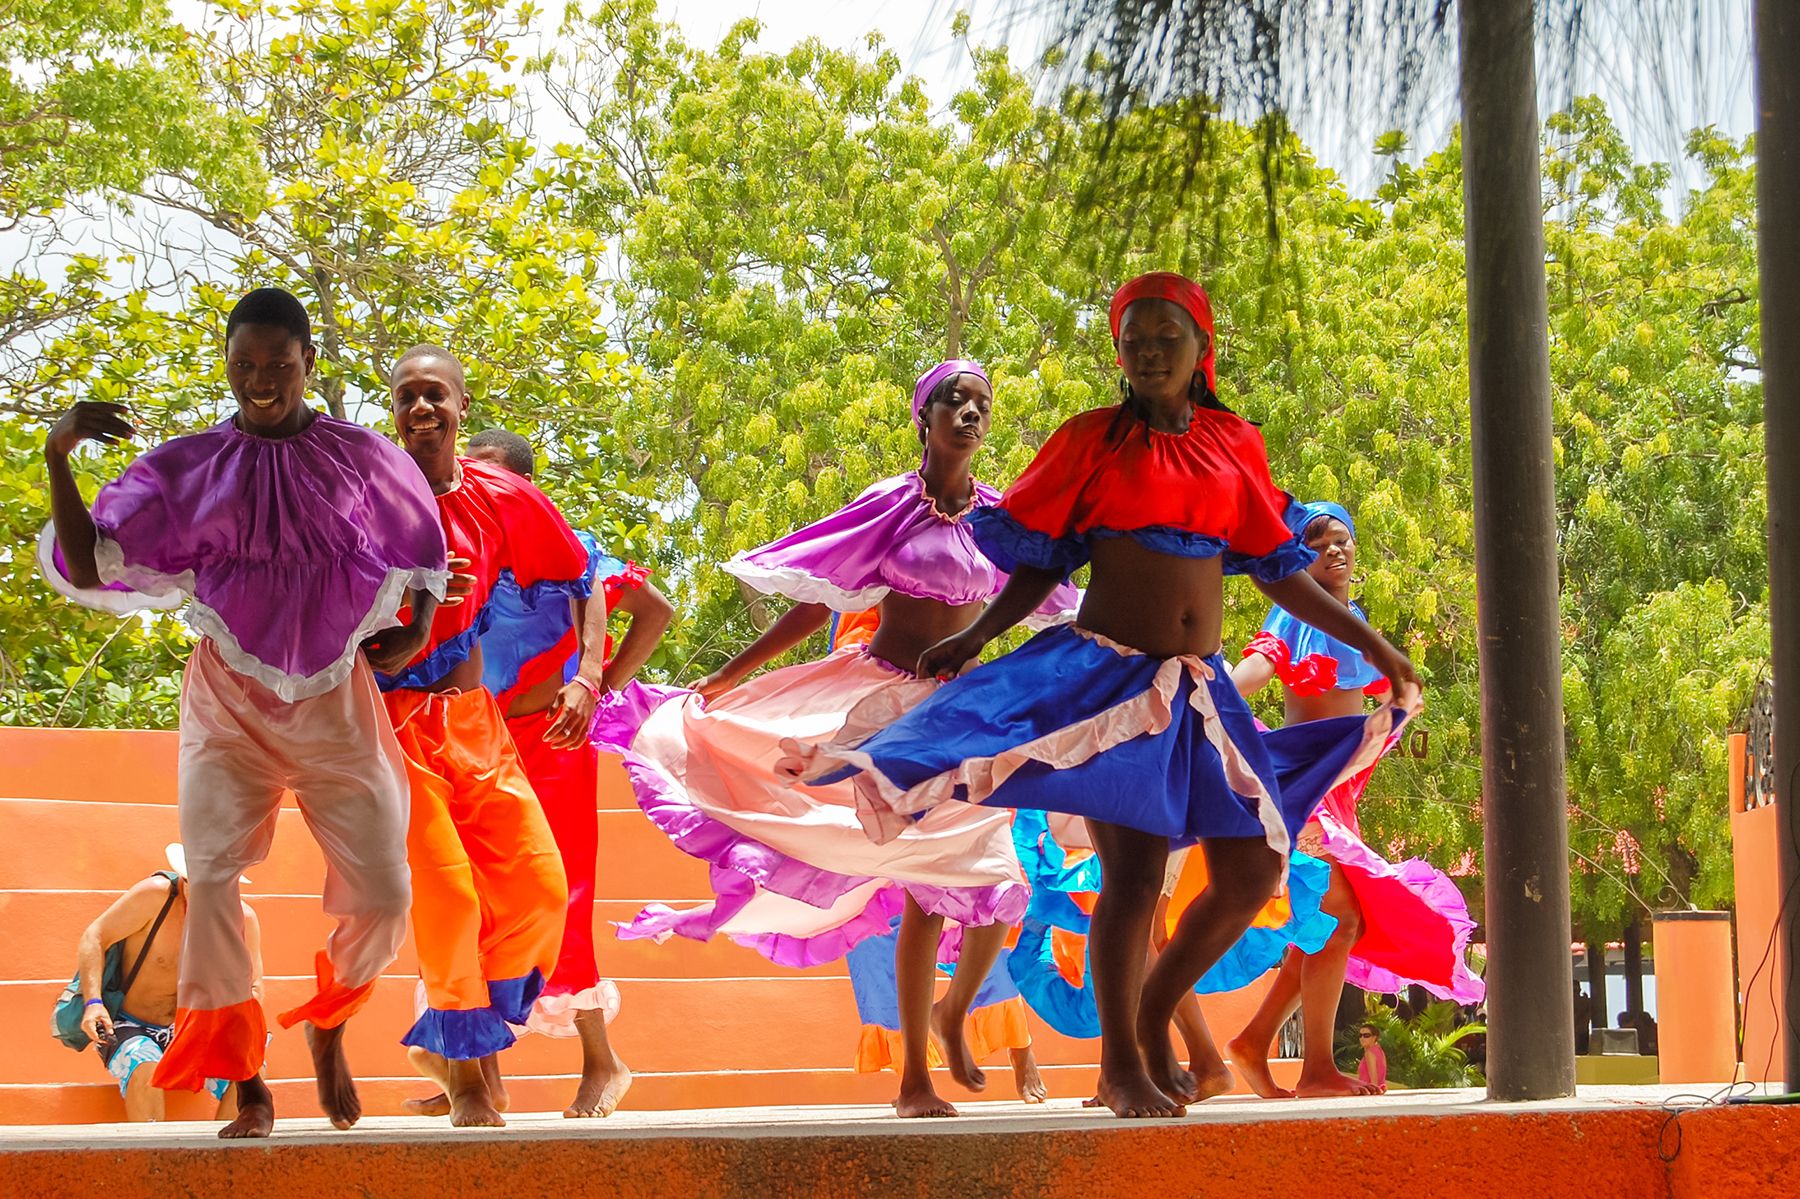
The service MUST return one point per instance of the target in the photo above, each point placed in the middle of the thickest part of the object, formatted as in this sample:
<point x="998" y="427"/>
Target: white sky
<point x="1658" y="83"/>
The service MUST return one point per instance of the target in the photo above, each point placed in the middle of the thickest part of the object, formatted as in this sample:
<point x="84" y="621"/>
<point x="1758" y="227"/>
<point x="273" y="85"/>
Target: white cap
<point x="177" y="856"/>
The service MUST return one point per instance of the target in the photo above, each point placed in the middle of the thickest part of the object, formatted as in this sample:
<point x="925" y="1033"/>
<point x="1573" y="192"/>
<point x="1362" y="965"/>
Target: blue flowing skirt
<point x="1073" y="723"/>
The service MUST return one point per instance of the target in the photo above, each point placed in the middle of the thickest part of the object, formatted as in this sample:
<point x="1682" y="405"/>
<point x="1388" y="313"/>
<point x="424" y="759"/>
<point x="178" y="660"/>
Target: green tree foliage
<point x="708" y="298"/>
<point x="390" y="181"/>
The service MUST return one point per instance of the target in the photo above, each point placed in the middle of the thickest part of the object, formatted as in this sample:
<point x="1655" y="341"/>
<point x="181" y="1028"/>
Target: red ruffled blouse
<point x="1198" y="494"/>
<point x="498" y="521"/>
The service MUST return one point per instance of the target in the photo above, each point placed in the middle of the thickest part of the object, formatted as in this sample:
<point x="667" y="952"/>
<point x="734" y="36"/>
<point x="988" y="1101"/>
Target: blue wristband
<point x="92" y="1002"/>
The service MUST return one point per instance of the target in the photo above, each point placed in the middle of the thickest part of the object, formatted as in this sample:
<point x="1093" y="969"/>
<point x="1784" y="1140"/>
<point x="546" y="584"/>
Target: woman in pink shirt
<point x="1373" y="1067"/>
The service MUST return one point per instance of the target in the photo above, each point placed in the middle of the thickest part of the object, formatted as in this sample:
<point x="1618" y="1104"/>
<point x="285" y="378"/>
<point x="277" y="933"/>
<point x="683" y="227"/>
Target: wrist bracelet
<point x="92" y="1002"/>
<point x="587" y="686"/>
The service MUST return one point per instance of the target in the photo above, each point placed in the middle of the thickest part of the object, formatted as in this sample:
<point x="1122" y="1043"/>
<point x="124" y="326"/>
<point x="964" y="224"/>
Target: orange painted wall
<point x="1696" y="1018"/>
<point x="1755" y="868"/>
<point x="1627" y="1153"/>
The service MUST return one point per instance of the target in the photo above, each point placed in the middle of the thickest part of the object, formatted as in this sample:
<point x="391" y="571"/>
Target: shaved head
<point x="427" y="350"/>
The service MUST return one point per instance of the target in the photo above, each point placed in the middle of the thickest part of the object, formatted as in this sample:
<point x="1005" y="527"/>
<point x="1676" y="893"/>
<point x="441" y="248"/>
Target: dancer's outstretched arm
<point x="1025" y="591"/>
<point x="795" y="625"/>
<point x="1301" y="595"/>
<point x="1252" y="673"/>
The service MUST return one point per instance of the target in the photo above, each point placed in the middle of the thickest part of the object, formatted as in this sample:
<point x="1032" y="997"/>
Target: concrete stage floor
<point x="1607" y="1142"/>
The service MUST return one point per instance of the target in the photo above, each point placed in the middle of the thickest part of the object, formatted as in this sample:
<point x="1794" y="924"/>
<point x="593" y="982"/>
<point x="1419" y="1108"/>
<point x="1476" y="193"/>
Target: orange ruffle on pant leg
<point x="333" y="1003"/>
<point x="489" y="892"/>
<point x="880" y="1048"/>
<point x="988" y="1029"/>
<point x="996" y="1027"/>
<point x="219" y="1043"/>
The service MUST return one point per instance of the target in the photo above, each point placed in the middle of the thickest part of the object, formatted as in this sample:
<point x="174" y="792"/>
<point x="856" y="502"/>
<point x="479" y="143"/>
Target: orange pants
<point x="489" y="892"/>
<point x="241" y="747"/>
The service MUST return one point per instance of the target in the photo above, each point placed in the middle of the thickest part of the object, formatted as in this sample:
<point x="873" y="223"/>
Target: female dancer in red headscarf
<point x="1128" y="717"/>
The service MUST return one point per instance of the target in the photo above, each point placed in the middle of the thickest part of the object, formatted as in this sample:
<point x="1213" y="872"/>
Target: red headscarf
<point x="1179" y="289"/>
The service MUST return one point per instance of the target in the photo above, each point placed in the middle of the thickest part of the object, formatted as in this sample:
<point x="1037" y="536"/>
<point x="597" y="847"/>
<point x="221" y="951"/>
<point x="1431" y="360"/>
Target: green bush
<point x="1421" y="1052"/>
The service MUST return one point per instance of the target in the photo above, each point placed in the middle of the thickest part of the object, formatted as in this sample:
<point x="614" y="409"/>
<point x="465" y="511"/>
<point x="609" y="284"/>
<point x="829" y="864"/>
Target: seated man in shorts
<point x="145" y="1022"/>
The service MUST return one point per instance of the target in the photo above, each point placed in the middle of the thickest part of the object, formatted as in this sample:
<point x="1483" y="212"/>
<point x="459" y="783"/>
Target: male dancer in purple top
<point x="293" y="536"/>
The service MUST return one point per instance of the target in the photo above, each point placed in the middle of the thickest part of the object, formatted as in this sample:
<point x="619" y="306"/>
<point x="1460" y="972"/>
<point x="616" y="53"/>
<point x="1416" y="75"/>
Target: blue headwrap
<point x="1308" y="661"/>
<point x="1301" y="516"/>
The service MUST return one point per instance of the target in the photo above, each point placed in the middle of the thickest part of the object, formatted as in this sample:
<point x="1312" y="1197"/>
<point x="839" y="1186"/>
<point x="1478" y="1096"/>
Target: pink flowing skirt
<point x="1416" y="924"/>
<point x="794" y="874"/>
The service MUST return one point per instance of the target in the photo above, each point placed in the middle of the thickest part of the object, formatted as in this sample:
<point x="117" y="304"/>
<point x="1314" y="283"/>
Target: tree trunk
<point x="1596" y="972"/>
<point x="1634" y="963"/>
<point x="331" y="347"/>
<point x="1531" y="1049"/>
<point x="1778" y="267"/>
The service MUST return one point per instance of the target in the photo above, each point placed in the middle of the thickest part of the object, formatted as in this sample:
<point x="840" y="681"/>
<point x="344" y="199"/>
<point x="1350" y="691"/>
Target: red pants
<point x="566" y="782"/>
<point x="488" y="886"/>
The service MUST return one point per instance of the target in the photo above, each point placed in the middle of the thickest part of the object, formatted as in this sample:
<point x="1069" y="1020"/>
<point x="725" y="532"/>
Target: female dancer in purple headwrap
<point x="795" y="875"/>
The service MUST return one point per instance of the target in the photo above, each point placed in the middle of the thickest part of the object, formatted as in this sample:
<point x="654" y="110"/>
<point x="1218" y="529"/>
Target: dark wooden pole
<point x="1531" y="1026"/>
<point x="1778" y="266"/>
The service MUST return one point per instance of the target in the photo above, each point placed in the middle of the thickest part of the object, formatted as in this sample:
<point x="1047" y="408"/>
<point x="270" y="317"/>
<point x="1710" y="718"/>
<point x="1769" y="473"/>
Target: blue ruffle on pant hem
<point x="462" y="1035"/>
<point x="513" y="997"/>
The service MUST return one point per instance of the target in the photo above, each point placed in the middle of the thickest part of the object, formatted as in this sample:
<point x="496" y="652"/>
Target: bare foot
<point x="604" y="1075"/>
<point x="256" y="1111"/>
<point x="1135" y="1097"/>
<point x="955" y="1048"/>
<point x="1253" y="1063"/>
<point x="921" y="1100"/>
<point x="1210" y="1078"/>
<point x="432" y="1105"/>
<point x="1026" y="1077"/>
<point x="1165" y="1069"/>
<point x="331" y="1071"/>
<point x="433" y="1066"/>
<point x="1332" y="1084"/>
<point x="470" y="1104"/>
<point x="496" y="1085"/>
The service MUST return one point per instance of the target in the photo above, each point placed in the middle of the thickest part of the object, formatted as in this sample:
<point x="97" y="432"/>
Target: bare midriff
<point x="910" y="626"/>
<point x="466" y="676"/>
<point x="1336" y="702"/>
<point x="535" y="698"/>
<point x="1160" y="604"/>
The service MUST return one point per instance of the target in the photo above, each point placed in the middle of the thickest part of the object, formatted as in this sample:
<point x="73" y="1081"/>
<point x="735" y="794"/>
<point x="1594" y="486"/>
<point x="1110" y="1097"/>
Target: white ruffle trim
<point x="118" y="603"/>
<point x="153" y="589"/>
<point x="1040" y="619"/>
<point x="805" y="587"/>
<point x="554" y="1015"/>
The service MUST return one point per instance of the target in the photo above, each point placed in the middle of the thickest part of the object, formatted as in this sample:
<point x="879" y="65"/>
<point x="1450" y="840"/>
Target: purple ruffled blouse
<point x="287" y="552"/>
<point x="892" y="537"/>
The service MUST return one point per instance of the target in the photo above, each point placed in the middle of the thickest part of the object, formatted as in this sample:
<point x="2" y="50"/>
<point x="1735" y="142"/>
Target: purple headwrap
<point x="930" y="379"/>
